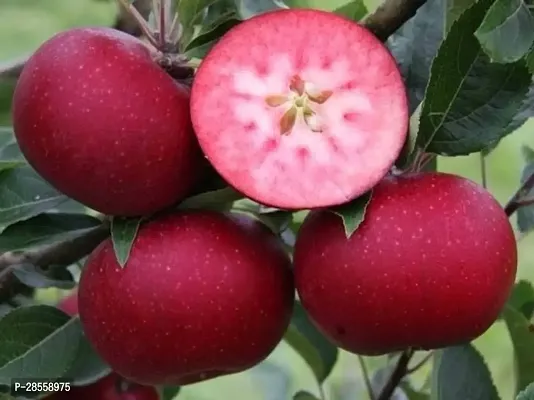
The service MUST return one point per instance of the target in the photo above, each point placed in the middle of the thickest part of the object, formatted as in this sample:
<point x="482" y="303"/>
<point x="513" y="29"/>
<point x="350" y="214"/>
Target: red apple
<point x="203" y="294"/>
<point x="104" y="124"/>
<point x="69" y="303"/>
<point x="112" y="387"/>
<point x="431" y="266"/>
<point x="300" y="108"/>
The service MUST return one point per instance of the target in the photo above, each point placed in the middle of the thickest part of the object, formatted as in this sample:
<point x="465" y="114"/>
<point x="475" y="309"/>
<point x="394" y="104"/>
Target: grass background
<point x="25" y="24"/>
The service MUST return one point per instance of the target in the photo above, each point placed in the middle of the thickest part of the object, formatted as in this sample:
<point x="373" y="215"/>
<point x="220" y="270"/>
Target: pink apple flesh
<point x="300" y="109"/>
<point x="431" y="266"/>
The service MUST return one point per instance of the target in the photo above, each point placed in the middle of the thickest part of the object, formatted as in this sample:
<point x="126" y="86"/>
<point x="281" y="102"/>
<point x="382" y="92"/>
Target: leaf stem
<point x="399" y="372"/>
<point x="483" y="172"/>
<point x="366" y="377"/>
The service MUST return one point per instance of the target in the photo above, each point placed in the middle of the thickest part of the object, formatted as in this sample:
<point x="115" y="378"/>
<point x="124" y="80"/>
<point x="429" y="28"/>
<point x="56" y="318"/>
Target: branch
<point x="12" y="69"/>
<point x="519" y="199"/>
<point x="390" y="16"/>
<point x="63" y="253"/>
<point x="397" y="375"/>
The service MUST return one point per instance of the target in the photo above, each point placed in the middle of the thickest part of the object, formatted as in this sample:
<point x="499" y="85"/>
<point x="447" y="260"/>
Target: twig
<point x="390" y="16"/>
<point x="397" y="375"/>
<point x="61" y="253"/>
<point x="519" y="199"/>
<point x="12" y="69"/>
<point x="366" y="378"/>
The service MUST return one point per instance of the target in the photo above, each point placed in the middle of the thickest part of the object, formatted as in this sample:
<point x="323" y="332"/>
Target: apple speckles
<point x="444" y="250"/>
<point x="194" y="302"/>
<point x="50" y="94"/>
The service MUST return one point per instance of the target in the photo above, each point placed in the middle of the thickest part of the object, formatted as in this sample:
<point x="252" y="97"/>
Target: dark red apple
<point x="203" y="294"/>
<point x="111" y="387"/>
<point x="431" y="265"/>
<point x="104" y="124"/>
<point x="300" y="108"/>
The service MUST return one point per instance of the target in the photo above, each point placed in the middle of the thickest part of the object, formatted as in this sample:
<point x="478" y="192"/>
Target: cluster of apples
<point x="292" y="119"/>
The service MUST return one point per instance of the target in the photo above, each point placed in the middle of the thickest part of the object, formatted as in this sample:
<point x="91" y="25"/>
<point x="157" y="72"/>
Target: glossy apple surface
<point x="202" y="294"/>
<point x="104" y="124"/>
<point x="431" y="265"/>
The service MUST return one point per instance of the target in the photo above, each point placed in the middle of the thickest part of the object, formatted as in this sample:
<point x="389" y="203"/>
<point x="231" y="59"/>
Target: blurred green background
<point x="25" y="24"/>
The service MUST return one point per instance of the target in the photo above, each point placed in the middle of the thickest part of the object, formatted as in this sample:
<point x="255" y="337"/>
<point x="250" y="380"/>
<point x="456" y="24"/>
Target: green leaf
<point x="249" y="8"/>
<point x="529" y="59"/>
<point x="525" y="215"/>
<point x="190" y="14"/>
<point x="24" y="194"/>
<point x="123" y="234"/>
<point x="415" y="44"/>
<point x="87" y="367"/>
<point x="170" y="392"/>
<point x="210" y="33"/>
<point x="355" y="10"/>
<point x="412" y="393"/>
<point x="469" y="102"/>
<point x="302" y="395"/>
<point x="278" y="221"/>
<point x="507" y="32"/>
<point x="37" y="341"/>
<point x="313" y="347"/>
<point x="527" y="394"/>
<point x="221" y="199"/>
<point x="10" y="154"/>
<point x="45" y="229"/>
<point x="353" y="212"/>
<point x="522" y="298"/>
<point x="461" y="373"/>
<point x="523" y="343"/>
<point x="35" y="277"/>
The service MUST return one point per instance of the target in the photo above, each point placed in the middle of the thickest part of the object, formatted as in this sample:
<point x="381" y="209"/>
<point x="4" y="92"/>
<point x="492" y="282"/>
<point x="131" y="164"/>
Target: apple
<point x="69" y="303"/>
<point x="111" y="387"/>
<point x="202" y="294"/>
<point x="430" y="266"/>
<point x="300" y="108"/>
<point x="103" y="123"/>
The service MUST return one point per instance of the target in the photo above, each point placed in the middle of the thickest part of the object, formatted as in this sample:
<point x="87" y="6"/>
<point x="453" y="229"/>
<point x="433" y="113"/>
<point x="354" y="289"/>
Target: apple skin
<point x="104" y="124"/>
<point x="107" y="388"/>
<point x="431" y="266"/>
<point x="203" y="294"/>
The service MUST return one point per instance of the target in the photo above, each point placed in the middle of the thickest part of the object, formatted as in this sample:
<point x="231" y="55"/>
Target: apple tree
<point x="214" y="179"/>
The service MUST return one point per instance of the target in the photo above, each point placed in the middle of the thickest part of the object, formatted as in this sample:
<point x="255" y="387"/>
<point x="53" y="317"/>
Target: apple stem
<point x="397" y="375"/>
